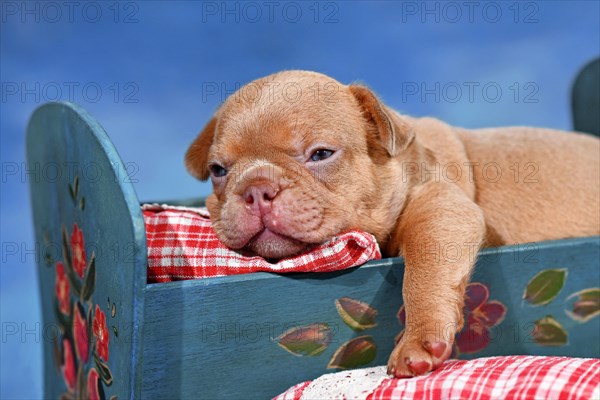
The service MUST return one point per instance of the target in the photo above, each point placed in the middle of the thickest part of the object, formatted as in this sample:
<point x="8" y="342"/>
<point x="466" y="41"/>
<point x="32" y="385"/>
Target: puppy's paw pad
<point x="409" y="358"/>
<point x="413" y="356"/>
<point x="437" y="349"/>
<point x="417" y="367"/>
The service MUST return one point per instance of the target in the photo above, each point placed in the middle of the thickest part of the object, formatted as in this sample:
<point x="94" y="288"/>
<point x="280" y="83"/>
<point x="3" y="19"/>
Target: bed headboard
<point x="81" y="181"/>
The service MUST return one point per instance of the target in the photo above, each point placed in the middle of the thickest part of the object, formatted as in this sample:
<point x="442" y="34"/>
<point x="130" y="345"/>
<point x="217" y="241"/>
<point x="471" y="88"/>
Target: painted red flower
<point x="80" y="334"/>
<point x="481" y="316"/>
<point x="78" y="248"/>
<point x="68" y="367"/>
<point x="92" y="385"/>
<point x="101" y="333"/>
<point x="63" y="290"/>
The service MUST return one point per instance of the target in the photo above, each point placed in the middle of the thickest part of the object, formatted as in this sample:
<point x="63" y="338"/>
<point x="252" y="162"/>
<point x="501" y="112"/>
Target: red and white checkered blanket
<point x="183" y="245"/>
<point x="510" y="377"/>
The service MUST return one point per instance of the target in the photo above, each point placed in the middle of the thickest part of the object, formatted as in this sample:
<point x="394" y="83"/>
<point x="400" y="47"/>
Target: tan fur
<point x="428" y="191"/>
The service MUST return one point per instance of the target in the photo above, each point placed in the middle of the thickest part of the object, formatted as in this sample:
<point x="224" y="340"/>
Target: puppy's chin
<point x="269" y="244"/>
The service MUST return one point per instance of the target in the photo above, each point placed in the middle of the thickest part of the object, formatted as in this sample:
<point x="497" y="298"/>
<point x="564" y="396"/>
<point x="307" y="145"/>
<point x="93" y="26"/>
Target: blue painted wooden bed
<point x="245" y="336"/>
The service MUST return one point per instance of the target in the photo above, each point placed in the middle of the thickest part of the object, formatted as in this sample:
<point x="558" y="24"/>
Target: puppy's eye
<point x="217" y="171"/>
<point x="321" y="154"/>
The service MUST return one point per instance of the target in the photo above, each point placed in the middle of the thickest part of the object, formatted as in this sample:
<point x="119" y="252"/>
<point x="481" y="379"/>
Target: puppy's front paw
<point x="416" y="355"/>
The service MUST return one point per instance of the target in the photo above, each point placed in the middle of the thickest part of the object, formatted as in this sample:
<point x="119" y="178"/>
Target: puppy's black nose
<point x="260" y="196"/>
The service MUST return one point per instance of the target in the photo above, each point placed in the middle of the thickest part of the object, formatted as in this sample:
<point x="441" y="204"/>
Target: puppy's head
<point x="296" y="158"/>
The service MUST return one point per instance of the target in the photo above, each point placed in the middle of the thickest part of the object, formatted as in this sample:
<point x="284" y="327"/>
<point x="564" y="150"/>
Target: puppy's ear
<point x="196" y="158"/>
<point x="393" y="134"/>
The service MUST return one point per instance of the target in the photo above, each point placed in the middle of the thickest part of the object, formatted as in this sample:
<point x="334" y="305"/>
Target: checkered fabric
<point x="509" y="377"/>
<point x="183" y="245"/>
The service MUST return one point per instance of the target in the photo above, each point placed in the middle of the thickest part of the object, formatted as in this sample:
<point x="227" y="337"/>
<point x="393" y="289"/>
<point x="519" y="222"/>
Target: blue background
<point x="153" y="72"/>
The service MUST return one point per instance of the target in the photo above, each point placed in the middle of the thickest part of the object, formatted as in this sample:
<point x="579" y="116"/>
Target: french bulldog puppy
<point x="297" y="157"/>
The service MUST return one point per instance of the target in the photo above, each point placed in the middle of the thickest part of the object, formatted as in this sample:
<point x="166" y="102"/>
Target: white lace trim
<point x="348" y="385"/>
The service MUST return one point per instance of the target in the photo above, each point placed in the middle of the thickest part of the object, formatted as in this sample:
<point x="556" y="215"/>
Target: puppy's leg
<point x="440" y="232"/>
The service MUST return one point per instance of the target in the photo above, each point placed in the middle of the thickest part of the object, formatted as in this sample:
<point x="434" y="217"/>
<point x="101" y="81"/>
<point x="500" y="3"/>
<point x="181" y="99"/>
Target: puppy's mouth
<point x="270" y="244"/>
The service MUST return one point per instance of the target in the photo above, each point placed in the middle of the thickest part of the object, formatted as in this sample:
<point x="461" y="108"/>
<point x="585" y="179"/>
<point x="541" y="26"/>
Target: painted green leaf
<point x="90" y="321"/>
<point x="101" y="394"/>
<point x="81" y="383"/>
<point x="63" y="320"/>
<point x="354" y="353"/>
<point x="72" y="193"/>
<point x="585" y="304"/>
<point x="115" y="331"/>
<point x="89" y="281"/>
<point x="103" y="370"/>
<point x="113" y="310"/>
<point x="356" y="314"/>
<point x="48" y="257"/>
<point x="82" y="203"/>
<point x="65" y="248"/>
<point x="549" y="332"/>
<point x="68" y="261"/>
<point x="76" y="185"/>
<point x="545" y="286"/>
<point x="307" y="340"/>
